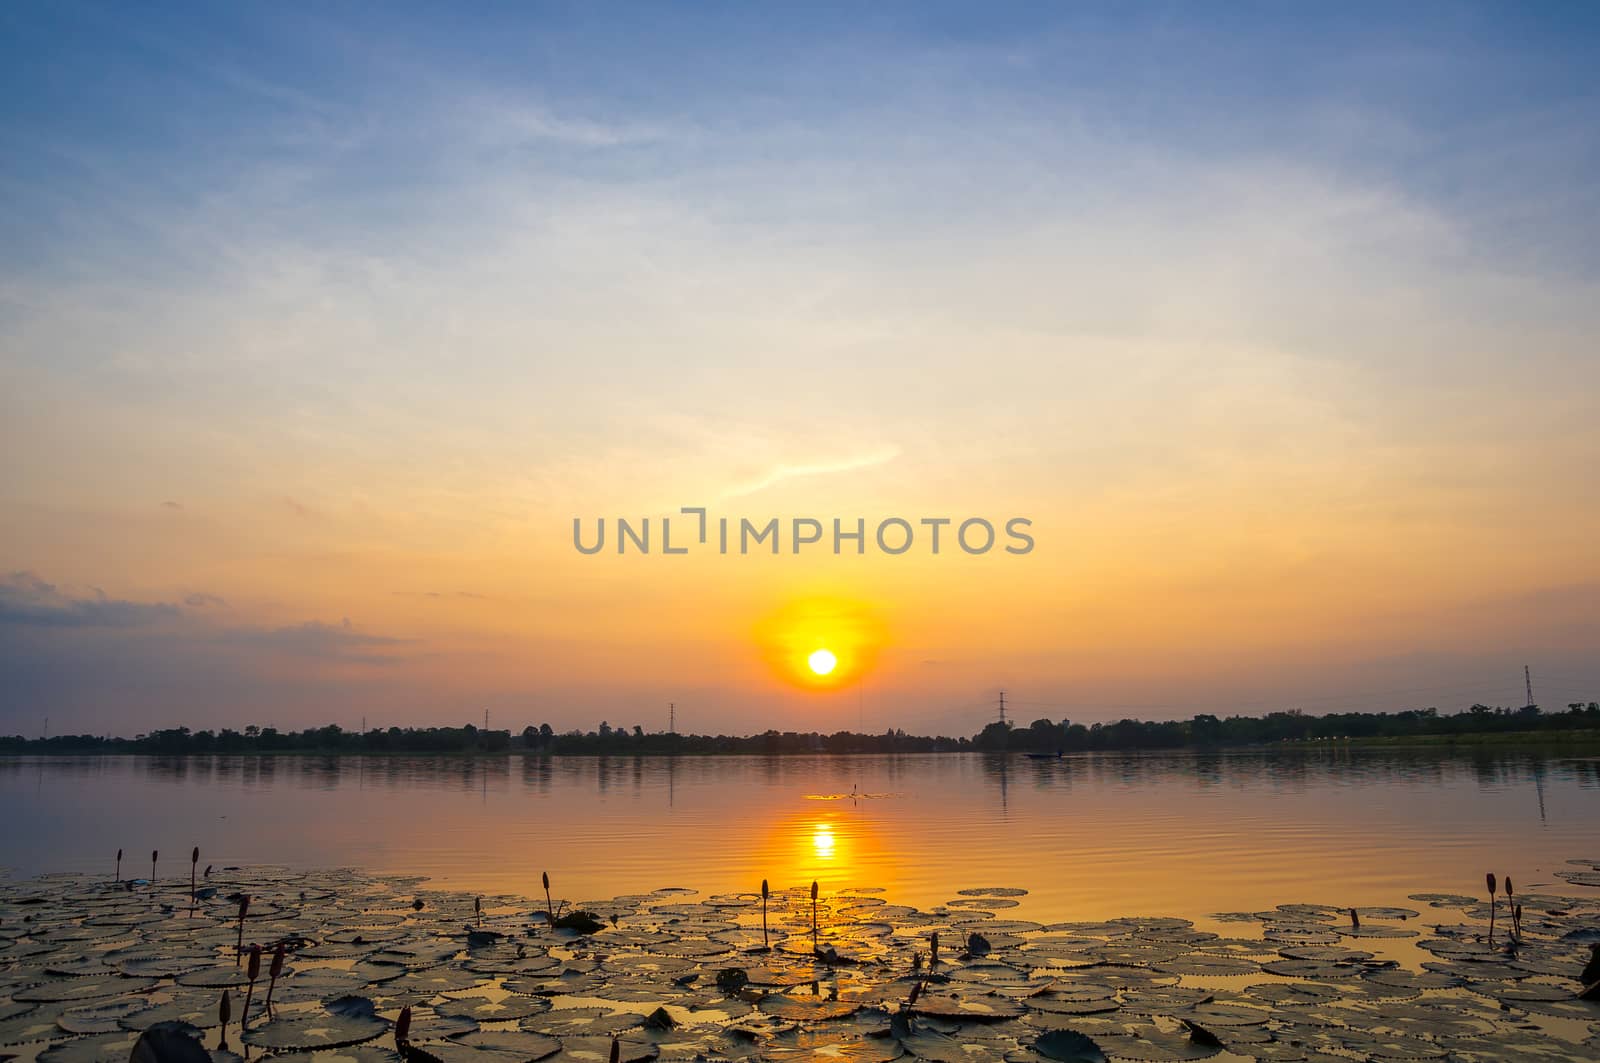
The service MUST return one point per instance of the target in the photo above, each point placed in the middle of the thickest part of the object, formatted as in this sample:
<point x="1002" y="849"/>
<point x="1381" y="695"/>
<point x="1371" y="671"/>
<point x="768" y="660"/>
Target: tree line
<point x="1041" y="736"/>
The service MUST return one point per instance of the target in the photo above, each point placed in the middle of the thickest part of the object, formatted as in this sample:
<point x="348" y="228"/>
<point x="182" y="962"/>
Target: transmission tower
<point x="1527" y="680"/>
<point x="672" y="717"/>
<point x="1002" y="706"/>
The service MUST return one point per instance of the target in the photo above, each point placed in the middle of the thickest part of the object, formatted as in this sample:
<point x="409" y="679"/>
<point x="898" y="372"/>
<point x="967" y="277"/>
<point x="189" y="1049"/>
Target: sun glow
<point x="821" y="643"/>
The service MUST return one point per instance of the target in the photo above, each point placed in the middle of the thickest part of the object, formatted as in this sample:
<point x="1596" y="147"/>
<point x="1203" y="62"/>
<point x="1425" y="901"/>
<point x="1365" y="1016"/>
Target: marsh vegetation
<point x="370" y="969"/>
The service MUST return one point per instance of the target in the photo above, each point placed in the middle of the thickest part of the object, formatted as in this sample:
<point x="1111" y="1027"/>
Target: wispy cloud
<point x="528" y="124"/>
<point x="441" y="594"/>
<point x="779" y="473"/>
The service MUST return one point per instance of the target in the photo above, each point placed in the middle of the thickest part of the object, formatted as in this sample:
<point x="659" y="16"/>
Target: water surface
<point x="1091" y="837"/>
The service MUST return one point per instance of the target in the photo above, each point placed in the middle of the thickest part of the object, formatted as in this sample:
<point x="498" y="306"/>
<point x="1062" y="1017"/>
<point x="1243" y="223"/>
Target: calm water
<point x="1092" y="837"/>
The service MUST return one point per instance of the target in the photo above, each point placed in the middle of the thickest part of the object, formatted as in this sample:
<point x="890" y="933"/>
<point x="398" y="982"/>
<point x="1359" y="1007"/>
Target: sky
<point x="320" y="325"/>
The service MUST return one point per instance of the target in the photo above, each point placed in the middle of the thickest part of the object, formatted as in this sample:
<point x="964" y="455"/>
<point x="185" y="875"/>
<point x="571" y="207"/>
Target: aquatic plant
<point x="1493" y="889"/>
<point x="153" y="854"/>
<point x="1516" y="911"/>
<point x="764" y="943"/>
<point x="119" y="866"/>
<point x="273" y="973"/>
<point x="580" y="921"/>
<point x="194" y="862"/>
<point x="224" y="1013"/>
<point x="1117" y="980"/>
<point x="477" y="908"/>
<point x="252" y="972"/>
<point x="616" y="1051"/>
<point x="933" y="949"/>
<point x="549" y="908"/>
<point x="813" y="913"/>
<point x="238" y="948"/>
<point x="402" y="1030"/>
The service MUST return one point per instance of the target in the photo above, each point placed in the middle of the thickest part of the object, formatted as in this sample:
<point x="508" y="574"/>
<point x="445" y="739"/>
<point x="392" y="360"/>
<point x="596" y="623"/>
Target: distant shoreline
<point x="1588" y="740"/>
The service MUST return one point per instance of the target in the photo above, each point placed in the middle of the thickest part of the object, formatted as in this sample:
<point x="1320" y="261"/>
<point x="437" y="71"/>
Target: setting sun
<point x="821" y="643"/>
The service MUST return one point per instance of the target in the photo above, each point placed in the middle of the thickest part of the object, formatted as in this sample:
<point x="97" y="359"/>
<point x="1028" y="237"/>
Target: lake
<point x="1090" y="837"/>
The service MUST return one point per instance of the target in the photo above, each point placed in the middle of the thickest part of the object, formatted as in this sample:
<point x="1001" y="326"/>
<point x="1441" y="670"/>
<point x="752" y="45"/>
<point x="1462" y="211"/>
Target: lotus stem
<point x="933" y="949"/>
<point x="402" y="1030"/>
<point x="616" y="1050"/>
<point x="764" y="892"/>
<point x="238" y="948"/>
<point x="224" y="1013"/>
<point x="1489" y="880"/>
<point x="1355" y="920"/>
<point x="153" y="854"/>
<point x="272" y="973"/>
<point x="253" y="971"/>
<point x="477" y="908"/>
<point x="194" y="863"/>
<point x="119" y="865"/>
<point x="1516" y="909"/>
<point x="549" y="908"/>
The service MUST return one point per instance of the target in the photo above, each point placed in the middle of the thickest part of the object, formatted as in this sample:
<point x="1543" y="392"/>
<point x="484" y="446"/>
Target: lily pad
<point x="346" y="1021"/>
<point x="1068" y="1046"/>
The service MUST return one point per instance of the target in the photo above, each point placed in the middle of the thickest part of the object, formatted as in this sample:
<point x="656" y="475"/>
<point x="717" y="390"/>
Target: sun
<point x="820" y="644"/>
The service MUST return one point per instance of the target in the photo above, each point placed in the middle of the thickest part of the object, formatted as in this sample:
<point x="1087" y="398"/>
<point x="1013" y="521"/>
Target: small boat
<point x="1057" y="755"/>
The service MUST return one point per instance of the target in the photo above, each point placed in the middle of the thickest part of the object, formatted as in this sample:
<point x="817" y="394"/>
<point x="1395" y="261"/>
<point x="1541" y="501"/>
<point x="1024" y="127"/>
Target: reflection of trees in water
<point x="1291" y="768"/>
<point x="1300" y="769"/>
